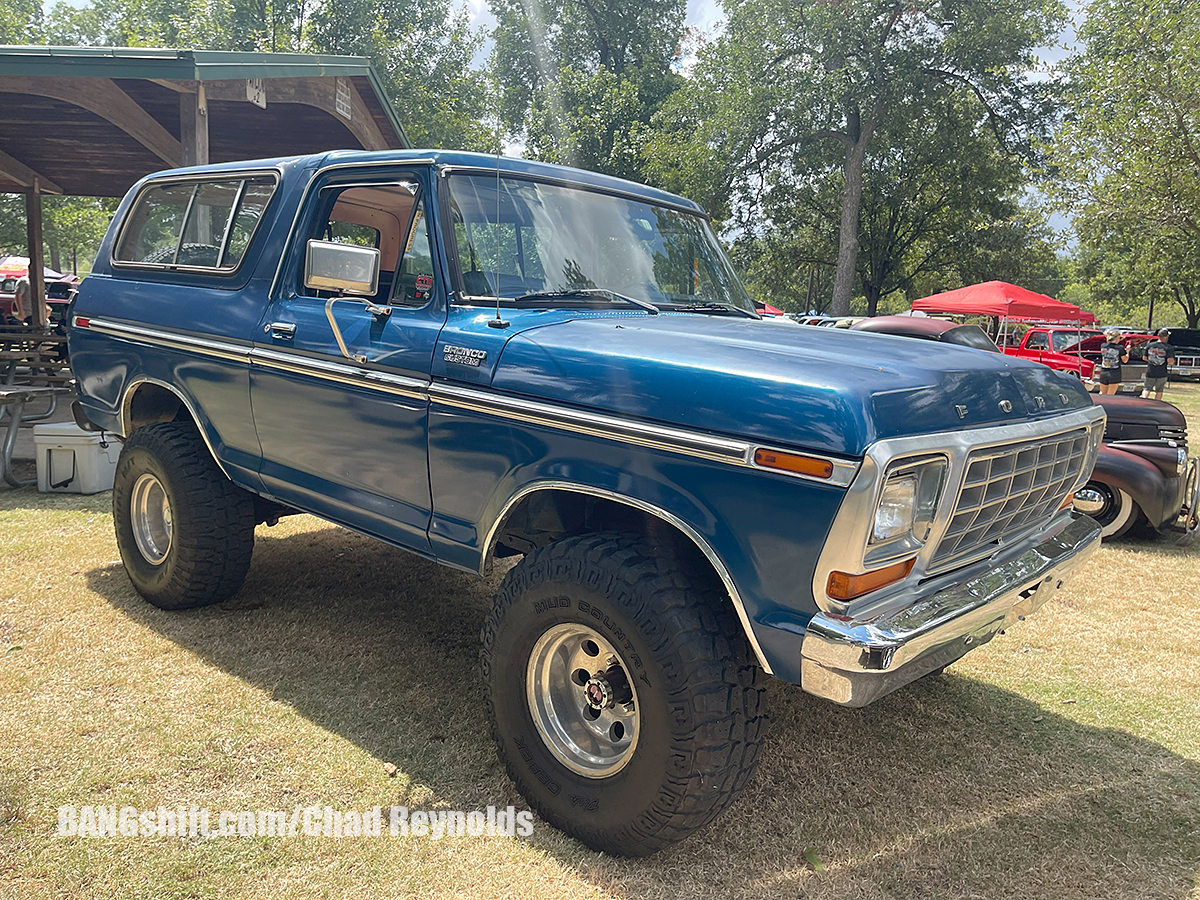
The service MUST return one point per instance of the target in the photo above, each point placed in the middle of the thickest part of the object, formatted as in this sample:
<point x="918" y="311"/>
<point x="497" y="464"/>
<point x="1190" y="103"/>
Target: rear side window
<point x="195" y="224"/>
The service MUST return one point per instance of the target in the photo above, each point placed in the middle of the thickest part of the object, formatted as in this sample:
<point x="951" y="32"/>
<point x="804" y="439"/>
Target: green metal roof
<point x="188" y="65"/>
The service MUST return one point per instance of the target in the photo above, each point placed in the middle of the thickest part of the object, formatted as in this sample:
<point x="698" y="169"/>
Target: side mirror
<point x="329" y="266"/>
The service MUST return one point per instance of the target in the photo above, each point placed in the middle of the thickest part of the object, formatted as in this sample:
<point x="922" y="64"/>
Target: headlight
<point x="897" y="509"/>
<point x="906" y="508"/>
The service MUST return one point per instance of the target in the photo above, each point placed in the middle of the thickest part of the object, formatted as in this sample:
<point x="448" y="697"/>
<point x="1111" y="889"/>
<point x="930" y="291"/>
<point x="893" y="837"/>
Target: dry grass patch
<point x="1061" y="761"/>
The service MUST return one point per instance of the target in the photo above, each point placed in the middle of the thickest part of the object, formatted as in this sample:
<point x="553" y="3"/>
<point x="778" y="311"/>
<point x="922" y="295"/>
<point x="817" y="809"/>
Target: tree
<point x="423" y="50"/>
<point x="264" y="25"/>
<point x="583" y="78"/>
<point x="930" y="198"/>
<point x="73" y="229"/>
<point x="787" y="77"/>
<point x="1128" y="155"/>
<point x="20" y="20"/>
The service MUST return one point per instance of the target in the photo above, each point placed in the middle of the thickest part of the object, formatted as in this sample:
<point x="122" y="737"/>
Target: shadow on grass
<point x="29" y="498"/>
<point x="1144" y="540"/>
<point x="950" y="788"/>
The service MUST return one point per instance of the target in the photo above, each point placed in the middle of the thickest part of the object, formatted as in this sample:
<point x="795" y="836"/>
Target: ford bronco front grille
<point x="1006" y="490"/>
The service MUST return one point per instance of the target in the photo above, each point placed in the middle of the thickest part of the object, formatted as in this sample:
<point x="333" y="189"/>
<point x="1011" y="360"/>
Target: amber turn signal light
<point x="791" y="462"/>
<point x="1067" y="501"/>
<point x="844" y="586"/>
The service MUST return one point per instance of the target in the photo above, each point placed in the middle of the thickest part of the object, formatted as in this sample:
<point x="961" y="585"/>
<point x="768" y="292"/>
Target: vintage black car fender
<point x="1159" y="496"/>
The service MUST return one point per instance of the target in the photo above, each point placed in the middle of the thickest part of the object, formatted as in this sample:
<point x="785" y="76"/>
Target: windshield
<point x="516" y="237"/>
<point x="1063" y="341"/>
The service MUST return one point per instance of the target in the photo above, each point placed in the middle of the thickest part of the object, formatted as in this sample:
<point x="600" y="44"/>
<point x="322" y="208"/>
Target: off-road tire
<point x="212" y="519"/>
<point x="699" y="690"/>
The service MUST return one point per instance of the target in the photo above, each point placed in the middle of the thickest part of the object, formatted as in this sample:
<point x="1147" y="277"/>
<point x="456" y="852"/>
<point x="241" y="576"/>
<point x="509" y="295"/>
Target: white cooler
<point x="73" y="461"/>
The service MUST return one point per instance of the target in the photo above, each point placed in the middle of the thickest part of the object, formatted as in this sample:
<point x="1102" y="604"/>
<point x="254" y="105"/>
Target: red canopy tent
<point x="1005" y="301"/>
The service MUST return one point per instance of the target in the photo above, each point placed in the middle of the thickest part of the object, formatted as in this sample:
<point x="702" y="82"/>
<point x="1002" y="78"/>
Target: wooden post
<point x="1150" y="315"/>
<point x="33" y="236"/>
<point x="193" y="127"/>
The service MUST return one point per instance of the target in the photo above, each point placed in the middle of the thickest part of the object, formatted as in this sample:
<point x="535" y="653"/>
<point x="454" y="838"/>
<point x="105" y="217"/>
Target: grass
<point x="1060" y="761"/>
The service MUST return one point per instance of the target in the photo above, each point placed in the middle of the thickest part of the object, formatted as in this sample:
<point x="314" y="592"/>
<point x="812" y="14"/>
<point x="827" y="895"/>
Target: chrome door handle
<point x="282" y="329"/>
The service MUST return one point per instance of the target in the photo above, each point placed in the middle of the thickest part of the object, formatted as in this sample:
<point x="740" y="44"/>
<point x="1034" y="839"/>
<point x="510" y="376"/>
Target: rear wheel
<point x="1112" y="507"/>
<point x="184" y="530"/>
<point x="623" y="698"/>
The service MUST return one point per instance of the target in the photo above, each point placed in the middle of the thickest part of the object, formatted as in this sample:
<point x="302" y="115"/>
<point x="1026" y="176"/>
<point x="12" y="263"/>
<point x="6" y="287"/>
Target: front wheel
<point x="1111" y="507"/>
<point x="184" y="530"/>
<point x="623" y="698"/>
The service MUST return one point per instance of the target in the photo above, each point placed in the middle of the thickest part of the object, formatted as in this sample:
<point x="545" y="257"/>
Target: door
<point x="345" y="434"/>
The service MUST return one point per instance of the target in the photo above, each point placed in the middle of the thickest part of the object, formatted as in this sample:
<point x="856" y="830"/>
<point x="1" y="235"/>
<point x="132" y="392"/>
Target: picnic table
<point x="34" y="366"/>
<point x="33" y="355"/>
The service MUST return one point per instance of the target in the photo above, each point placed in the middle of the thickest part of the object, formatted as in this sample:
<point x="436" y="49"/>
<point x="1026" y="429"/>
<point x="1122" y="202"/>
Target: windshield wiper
<point x="601" y="293"/>
<point x="713" y="307"/>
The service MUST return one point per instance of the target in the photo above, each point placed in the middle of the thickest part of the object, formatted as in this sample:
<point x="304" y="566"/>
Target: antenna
<point x="497" y="322"/>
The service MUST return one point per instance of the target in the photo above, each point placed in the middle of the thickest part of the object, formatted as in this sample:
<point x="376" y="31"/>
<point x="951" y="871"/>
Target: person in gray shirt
<point x="1158" y="354"/>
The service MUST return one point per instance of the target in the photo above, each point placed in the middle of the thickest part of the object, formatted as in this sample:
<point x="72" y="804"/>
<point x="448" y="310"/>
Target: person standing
<point x="1159" y="355"/>
<point x="23" y="300"/>
<point x="1112" y="354"/>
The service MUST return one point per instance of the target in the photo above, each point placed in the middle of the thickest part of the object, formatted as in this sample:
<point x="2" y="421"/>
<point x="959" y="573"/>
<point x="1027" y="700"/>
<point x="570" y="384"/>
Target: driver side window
<point x="1036" y="342"/>
<point x="391" y="219"/>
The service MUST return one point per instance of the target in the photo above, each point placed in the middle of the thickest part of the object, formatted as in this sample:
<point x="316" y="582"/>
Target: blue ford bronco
<point x="475" y="359"/>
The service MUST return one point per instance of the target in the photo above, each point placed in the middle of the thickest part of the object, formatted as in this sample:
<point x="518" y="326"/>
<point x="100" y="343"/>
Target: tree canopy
<point x="787" y="78"/>
<point x="423" y="50"/>
<point x="582" y="79"/>
<point x="866" y="149"/>
<point x="1127" y="158"/>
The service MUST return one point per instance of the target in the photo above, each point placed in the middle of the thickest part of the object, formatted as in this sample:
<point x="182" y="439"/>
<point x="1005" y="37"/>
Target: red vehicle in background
<point x="1059" y="347"/>
<point x="58" y="286"/>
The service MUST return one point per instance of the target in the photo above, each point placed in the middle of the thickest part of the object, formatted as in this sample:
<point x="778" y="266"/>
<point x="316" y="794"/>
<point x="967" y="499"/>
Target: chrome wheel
<point x="1111" y="507"/>
<point x="583" y="704"/>
<point x="150" y="516"/>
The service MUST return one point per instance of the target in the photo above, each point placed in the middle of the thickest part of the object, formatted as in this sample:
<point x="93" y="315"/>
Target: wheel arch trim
<point x="131" y="390"/>
<point x="679" y="524"/>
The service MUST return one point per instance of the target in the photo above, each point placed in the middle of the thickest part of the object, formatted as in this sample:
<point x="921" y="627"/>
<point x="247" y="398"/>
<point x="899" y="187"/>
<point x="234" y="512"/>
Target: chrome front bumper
<point x="855" y="662"/>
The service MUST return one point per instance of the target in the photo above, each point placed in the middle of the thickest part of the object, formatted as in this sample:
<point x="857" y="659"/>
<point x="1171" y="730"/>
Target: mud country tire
<point x="184" y="530"/>
<point x="622" y="695"/>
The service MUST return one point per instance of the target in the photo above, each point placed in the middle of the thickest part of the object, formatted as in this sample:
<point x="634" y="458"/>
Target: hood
<point x="1135" y="411"/>
<point x="823" y="389"/>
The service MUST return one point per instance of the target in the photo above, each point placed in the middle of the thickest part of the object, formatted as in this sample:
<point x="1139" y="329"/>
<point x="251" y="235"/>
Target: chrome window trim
<point x="232" y="175"/>
<point x="694" y="536"/>
<point x="237" y="202"/>
<point x="187" y="214"/>
<point x="845" y="545"/>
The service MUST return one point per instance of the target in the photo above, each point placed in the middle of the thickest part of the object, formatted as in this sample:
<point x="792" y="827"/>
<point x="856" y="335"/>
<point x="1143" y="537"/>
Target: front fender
<point x="1159" y="496"/>
<point x="762" y="531"/>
